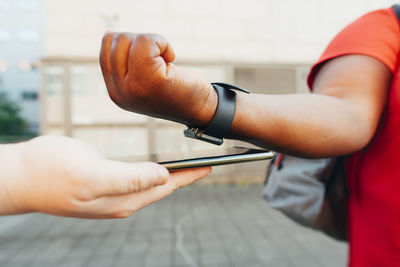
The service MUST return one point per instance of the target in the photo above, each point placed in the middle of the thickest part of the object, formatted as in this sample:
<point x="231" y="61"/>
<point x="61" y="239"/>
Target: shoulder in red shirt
<point x="373" y="174"/>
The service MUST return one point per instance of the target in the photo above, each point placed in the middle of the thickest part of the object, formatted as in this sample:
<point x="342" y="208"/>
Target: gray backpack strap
<point x="311" y="192"/>
<point x="295" y="187"/>
<point x="396" y="9"/>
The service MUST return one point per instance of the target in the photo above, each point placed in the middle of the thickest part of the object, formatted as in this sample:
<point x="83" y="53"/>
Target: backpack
<point x="312" y="192"/>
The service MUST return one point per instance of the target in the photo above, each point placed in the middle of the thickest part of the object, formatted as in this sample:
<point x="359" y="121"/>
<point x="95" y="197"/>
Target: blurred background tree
<point x="11" y="123"/>
<point x="13" y="128"/>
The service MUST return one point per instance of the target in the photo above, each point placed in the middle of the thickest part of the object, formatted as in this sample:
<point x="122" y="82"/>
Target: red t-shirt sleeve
<point x="376" y="34"/>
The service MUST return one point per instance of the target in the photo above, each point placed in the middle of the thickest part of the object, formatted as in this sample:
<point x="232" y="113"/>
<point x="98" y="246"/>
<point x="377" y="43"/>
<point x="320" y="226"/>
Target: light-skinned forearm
<point x="11" y="172"/>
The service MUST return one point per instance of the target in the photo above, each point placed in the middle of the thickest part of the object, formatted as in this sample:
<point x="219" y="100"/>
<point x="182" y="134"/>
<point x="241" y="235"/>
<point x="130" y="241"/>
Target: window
<point x="78" y="79"/>
<point x="29" y="95"/>
<point x="54" y="80"/>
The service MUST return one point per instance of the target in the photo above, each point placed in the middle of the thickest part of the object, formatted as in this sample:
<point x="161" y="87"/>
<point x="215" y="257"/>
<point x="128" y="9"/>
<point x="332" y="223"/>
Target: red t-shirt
<point x="373" y="174"/>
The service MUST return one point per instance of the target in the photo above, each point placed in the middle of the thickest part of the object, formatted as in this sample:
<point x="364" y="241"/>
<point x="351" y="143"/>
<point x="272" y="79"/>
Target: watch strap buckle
<point x="196" y="133"/>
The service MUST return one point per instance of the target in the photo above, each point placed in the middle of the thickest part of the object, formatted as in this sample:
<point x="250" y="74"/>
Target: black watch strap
<point x="223" y="117"/>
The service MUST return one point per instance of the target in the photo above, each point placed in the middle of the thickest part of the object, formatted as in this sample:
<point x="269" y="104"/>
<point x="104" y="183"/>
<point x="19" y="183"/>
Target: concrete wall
<point x="224" y="30"/>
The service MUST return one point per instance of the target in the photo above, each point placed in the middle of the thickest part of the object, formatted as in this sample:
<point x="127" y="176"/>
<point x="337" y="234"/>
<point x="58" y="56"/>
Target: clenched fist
<point x="140" y="77"/>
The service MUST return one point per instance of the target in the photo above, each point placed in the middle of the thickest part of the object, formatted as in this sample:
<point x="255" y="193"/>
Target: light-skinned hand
<point x="62" y="176"/>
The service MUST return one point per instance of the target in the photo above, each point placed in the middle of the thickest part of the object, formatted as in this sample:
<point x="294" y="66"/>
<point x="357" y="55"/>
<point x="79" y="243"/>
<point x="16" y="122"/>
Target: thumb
<point x="117" y="178"/>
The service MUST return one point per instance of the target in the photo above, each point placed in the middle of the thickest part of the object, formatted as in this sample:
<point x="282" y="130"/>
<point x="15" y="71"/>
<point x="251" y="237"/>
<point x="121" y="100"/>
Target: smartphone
<point x="193" y="159"/>
<point x="217" y="157"/>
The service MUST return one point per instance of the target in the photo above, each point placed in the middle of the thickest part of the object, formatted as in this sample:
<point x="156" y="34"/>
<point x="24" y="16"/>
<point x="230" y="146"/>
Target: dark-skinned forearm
<point x="309" y="125"/>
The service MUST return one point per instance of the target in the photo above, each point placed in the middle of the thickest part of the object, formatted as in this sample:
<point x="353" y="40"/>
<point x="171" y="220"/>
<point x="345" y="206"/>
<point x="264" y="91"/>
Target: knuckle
<point x="108" y="37"/>
<point x="142" y="37"/>
<point x="81" y="192"/>
<point x="75" y="205"/>
<point x="145" y="37"/>
<point x="135" y="185"/>
<point x="120" y="37"/>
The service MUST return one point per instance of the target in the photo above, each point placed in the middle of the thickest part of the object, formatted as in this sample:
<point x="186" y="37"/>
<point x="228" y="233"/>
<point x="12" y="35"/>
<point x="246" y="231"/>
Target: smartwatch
<point x="223" y="116"/>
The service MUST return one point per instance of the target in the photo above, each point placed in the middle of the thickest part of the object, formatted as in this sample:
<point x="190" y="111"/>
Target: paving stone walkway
<point x="201" y="225"/>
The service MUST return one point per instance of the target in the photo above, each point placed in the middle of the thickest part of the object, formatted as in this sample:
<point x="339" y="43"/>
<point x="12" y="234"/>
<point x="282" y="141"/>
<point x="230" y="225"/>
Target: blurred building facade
<point x="265" y="46"/>
<point x="21" y="47"/>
